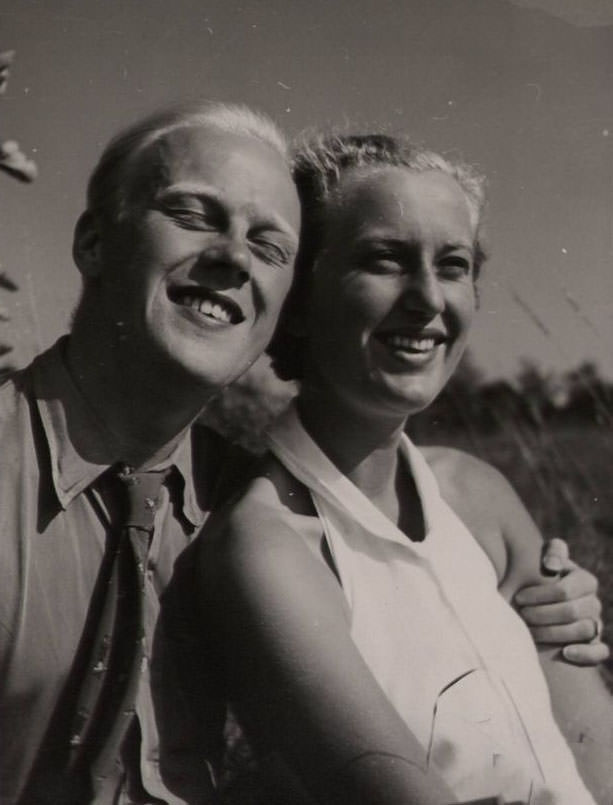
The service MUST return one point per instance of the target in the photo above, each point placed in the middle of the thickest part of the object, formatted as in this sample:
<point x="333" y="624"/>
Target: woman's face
<point x="392" y="297"/>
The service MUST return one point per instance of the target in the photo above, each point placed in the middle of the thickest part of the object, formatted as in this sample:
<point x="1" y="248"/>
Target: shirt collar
<point x="81" y="448"/>
<point x="182" y="460"/>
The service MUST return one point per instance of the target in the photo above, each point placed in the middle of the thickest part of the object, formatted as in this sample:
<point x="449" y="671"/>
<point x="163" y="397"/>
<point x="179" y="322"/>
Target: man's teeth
<point x="212" y="309"/>
<point x="412" y="344"/>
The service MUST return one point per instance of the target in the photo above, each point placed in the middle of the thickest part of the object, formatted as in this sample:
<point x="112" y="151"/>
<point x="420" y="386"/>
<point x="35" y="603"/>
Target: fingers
<point x="587" y="607"/>
<point x="555" y="557"/>
<point x="586" y="653"/>
<point x="576" y="583"/>
<point x="581" y="631"/>
<point x="566" y="611"/>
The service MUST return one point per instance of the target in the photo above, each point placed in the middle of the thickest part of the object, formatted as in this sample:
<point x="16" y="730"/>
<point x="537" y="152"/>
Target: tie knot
<point x="141" y="492"/>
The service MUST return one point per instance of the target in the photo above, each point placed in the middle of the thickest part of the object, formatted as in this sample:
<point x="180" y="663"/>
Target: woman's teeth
<point x="408" y="344"/>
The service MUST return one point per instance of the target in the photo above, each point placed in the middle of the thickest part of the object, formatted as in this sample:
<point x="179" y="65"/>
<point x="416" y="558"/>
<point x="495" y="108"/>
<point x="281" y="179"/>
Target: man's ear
<point x="86" y="246"/>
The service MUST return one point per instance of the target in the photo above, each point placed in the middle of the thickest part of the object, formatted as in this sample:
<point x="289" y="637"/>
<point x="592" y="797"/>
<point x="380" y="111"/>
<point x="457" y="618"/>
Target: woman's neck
<point x="365" y="448"/>
<point x="362" y="444"/>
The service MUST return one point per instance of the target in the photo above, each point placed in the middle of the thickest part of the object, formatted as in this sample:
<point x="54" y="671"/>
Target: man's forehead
<point x="197" y="147"/>
<point x="186" y="144"/>
<point x="156" y="160"/>
<point x="193" y="155"/>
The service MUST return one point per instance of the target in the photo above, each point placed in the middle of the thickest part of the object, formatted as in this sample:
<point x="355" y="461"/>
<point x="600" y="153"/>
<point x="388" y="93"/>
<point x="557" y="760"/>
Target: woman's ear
<point x="86" y="246"/>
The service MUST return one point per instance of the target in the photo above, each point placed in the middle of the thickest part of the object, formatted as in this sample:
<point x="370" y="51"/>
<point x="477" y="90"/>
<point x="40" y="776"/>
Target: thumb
<point x="554" y="557"/>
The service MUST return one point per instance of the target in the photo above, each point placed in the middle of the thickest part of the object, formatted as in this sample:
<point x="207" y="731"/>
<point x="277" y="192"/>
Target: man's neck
<point x="146" y="412"/>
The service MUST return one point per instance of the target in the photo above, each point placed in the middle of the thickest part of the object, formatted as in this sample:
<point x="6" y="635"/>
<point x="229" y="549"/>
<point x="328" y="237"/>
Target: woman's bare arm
<point x="298" y="682"/>
<point x="492" y="511"/>
<point x="581" y="702"/>
<point x="561" y="607"/>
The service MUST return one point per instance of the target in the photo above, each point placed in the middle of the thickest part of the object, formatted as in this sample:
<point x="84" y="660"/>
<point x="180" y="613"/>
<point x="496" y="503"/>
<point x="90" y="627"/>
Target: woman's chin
<point x="408" y="397"/>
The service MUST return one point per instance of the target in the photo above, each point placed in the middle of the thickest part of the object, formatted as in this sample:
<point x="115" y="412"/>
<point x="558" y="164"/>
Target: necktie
<point x="107" y="697"/>
<point x="79" y="759"/>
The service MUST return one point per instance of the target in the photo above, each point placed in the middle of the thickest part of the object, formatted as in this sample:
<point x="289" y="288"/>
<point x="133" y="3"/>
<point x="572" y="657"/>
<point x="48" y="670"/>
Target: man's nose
<point x="230" y="258"/>
<point x="423" y="291"/>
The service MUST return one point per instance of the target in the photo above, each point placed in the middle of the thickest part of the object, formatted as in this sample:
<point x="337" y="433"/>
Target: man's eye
<point x="271" y="252"/>
<point x="190" y="218"/>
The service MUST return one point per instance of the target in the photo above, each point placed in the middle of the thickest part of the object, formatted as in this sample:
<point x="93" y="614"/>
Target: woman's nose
<point x="424" y="291"/>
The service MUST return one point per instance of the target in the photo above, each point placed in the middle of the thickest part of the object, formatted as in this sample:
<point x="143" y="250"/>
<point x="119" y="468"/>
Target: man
<point x="186" y="250"/>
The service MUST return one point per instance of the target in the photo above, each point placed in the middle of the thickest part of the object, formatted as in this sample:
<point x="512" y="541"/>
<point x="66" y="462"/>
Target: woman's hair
<point x="110" y="184"/>
<point x="318" y="167"/>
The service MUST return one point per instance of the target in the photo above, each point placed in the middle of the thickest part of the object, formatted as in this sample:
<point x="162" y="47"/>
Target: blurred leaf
<point x="15" y="162"/>
<point x="6" y="59"/>
<point x="6" y="283"/>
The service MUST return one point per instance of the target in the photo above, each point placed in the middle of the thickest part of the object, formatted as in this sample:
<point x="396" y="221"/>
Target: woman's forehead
<point x="396" y="195"/>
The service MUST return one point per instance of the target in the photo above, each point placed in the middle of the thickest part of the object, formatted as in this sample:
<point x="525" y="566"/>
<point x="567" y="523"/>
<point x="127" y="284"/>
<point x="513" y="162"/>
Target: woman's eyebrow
<point x="455" y="245"/>
<point x="377" y="238"/>
<point x="381" y="240"/>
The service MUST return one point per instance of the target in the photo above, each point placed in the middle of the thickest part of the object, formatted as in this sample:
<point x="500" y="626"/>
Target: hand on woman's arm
<point x="558" y="599"/>
<point x="297" y="681"/>
<point x="564" y="608"/>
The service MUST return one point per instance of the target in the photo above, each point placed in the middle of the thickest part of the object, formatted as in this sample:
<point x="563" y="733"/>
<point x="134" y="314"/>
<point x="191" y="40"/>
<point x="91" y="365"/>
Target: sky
<point x="521" y="89"/>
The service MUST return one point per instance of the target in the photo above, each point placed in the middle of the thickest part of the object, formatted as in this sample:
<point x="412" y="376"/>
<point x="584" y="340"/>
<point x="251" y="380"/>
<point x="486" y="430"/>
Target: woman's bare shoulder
<point x="268" y="530"/>
<point x="469" y="482"/>
<point x="490" y="508"/>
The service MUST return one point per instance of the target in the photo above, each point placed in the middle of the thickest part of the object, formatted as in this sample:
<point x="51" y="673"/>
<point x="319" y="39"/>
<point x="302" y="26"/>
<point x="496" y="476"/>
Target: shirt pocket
<point x="473" y="744"/>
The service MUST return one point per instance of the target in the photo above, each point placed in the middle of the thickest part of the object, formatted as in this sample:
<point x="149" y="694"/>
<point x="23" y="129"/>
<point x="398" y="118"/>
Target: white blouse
<point x="458" y="664"/>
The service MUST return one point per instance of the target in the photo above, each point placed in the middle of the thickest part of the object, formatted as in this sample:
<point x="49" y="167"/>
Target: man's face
<point x="195" y="272"/>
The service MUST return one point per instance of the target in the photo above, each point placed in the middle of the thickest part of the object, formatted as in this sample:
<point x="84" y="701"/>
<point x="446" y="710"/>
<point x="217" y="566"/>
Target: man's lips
<point x="213" y="305"/>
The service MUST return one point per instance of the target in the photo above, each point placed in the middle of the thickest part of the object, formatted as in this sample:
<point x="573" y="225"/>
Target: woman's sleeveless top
<point x="455" y="660"/>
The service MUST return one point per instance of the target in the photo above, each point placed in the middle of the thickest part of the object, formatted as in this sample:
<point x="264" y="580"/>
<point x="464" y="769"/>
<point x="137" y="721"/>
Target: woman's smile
<point x="412" y="349"/>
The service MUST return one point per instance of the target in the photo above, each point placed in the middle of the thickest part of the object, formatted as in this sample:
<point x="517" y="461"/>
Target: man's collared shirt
<point x="54" y="524"/>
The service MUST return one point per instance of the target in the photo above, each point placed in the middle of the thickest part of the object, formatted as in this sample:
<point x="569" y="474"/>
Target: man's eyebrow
<point x="190" y="189"/>
<point x="267" y="219"/>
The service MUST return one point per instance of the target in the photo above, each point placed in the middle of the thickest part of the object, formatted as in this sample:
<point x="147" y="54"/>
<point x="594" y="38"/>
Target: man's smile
<point x="211" y="304"/>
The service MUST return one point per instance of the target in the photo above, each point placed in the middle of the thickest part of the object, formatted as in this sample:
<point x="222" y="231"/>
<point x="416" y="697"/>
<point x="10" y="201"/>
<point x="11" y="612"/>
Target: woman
<point x="358" y="591"/>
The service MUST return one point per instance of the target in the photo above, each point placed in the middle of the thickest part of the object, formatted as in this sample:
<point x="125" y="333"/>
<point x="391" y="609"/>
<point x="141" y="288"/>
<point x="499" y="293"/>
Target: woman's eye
<point x="455" y="267"/>
<point x="382" y="262"/>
